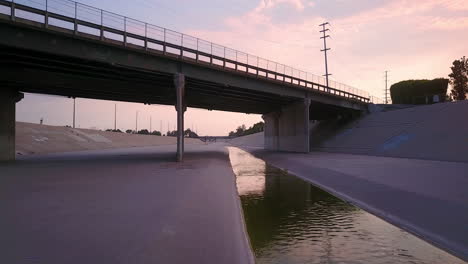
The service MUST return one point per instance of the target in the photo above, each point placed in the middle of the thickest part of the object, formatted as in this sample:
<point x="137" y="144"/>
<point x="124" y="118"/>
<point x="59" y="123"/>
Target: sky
<point x="411" y="39"/>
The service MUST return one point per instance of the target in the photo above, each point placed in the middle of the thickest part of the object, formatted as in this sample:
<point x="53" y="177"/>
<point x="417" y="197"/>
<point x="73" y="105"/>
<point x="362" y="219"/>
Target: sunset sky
<point x="411" y="39"/>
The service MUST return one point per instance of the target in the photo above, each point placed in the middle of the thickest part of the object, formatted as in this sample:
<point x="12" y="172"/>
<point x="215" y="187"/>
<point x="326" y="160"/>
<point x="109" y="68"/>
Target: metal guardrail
<point x="88" y="21"/>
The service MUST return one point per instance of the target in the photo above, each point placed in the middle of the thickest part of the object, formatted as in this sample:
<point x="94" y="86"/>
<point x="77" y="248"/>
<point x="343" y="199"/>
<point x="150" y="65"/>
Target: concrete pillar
<point x="288" y="129"/>
<point x="271" y="130"/>
<point x="8" y="99"/>
<point x="179" y="82"/>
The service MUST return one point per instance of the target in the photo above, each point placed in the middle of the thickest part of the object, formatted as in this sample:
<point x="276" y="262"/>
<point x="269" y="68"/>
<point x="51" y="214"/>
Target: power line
<point x="325" y="49"/>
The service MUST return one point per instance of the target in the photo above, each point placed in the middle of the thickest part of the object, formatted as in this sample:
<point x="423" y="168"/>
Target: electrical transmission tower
<point x="386" y="92"/>
<point x="325" y="49"/>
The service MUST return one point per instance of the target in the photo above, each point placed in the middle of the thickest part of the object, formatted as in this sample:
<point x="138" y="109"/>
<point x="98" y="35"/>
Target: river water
<point x="291" y="221"/>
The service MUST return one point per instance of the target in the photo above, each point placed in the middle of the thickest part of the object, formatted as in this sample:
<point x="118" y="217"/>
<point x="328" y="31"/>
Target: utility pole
<point x="151" y="120"/>
<point x="136" y="123"/>
<point x="160" y="126"/>
<point x="115" y="117"/>
<point x="74" y="111"/>
<point x="386" y="87"/>
<point x="325" y="49"/>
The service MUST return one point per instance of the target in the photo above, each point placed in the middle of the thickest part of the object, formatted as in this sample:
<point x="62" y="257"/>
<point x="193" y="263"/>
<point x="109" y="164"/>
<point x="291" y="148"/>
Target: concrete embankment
<point x="133" y="205"/>
<point x="434" y="132"/>
<point x="43" y="139"/>
<point x="254" y="140"/>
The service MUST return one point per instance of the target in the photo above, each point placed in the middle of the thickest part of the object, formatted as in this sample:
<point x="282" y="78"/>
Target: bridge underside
<point x="44" y="73"/>
<point x="39" y="61"/>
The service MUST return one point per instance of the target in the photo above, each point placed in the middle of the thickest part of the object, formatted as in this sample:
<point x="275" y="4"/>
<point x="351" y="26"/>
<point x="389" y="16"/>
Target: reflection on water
<point x="291" y="221"/>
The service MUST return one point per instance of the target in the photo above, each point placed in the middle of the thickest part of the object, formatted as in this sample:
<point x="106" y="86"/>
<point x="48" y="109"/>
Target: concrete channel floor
<point x="427" y="198"/>
<point x="122" y="206"/>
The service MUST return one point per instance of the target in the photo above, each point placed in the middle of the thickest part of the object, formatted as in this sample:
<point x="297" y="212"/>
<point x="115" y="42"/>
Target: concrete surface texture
<point x="43" y="139"/>
<point x="435" y="132"/>
<point x="427" y="198"/>
<point x="122" y="206"/>
<point x="254" y="140"/>
<point x="288" y="128"/>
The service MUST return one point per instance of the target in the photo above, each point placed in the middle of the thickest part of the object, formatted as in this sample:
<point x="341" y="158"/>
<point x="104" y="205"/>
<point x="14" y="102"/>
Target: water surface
<point x="290" y="221"/>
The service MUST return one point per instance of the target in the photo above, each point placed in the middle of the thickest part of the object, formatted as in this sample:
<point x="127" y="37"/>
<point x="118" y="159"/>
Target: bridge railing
<point x="80" y="19"/>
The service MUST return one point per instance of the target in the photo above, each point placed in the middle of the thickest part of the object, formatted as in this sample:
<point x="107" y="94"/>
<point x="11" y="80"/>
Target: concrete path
<point x="427" y="198"/>
<point x="122" y="206"/>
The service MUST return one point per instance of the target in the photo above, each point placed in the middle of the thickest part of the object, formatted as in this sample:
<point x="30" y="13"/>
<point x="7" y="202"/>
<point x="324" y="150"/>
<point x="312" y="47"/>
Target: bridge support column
<point x="288" y="128"/>
<point x="8" y="100"/>
<point x="179" y="82"/>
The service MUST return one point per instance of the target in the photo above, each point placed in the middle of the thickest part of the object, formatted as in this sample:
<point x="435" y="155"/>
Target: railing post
<point x="224" y="61"/>
<point x="146" y="36"/>
<point x="181" y="55"/>
<point x="196" y="54"/>
<point x="284" y="73"/>
<point x="76" y="15"/>
<point x="102" y="24"/>
<point x="276" y="71"/>
<point x="257" y="65"/>
<point x="247" y="67"/>
<point x="211" y="52"/>
<point x="12" y="15"/>
<point x="125" y="31"/>
<point x="236" y="61"/>
<point x="46" y="16"/>
<point x="164" y="45"/>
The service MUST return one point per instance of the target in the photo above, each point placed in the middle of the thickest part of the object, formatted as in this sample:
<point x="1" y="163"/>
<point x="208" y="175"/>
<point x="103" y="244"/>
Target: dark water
<point x="290" y="221"/>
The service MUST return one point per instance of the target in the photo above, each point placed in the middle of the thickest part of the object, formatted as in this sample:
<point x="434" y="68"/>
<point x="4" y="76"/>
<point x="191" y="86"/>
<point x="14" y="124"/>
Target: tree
<point x="189" y="133"/>
<point x="418" y="91"/>
<point x="459" y="79"/>
<point x="114" y="130"/>
<point x="156" y="133"/>
<point x="242" y="131"/>
<point x="143" y="132"/>
<point x="171" y="133"/>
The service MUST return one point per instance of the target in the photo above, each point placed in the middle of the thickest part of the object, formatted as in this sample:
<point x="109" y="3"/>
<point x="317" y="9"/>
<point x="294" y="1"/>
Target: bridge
<point x="66" y="48"/>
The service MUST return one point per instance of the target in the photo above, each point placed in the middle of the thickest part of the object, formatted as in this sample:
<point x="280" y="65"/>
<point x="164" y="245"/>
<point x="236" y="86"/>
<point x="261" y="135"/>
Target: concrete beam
<point x="181" y="107"/>
<point x="288" y="128"/>
<point x="8" y="100"/>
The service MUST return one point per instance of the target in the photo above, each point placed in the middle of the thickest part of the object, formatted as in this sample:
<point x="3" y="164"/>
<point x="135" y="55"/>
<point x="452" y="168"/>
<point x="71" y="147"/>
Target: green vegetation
<point x="187" y="133"/>
<point x="243" y="131"/>
<point x="141" y="132"/>
<point x="459" y="79"/>
<point x="419" y="91"/>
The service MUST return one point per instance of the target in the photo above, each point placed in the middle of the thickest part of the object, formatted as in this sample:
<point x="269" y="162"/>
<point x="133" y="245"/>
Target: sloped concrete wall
<point x="436" y="132"/>
<point x="42" y="139"/>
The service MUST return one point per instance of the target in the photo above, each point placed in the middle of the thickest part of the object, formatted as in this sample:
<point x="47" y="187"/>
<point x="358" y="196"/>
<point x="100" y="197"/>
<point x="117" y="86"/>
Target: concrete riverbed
<point x="122" y="206"/>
